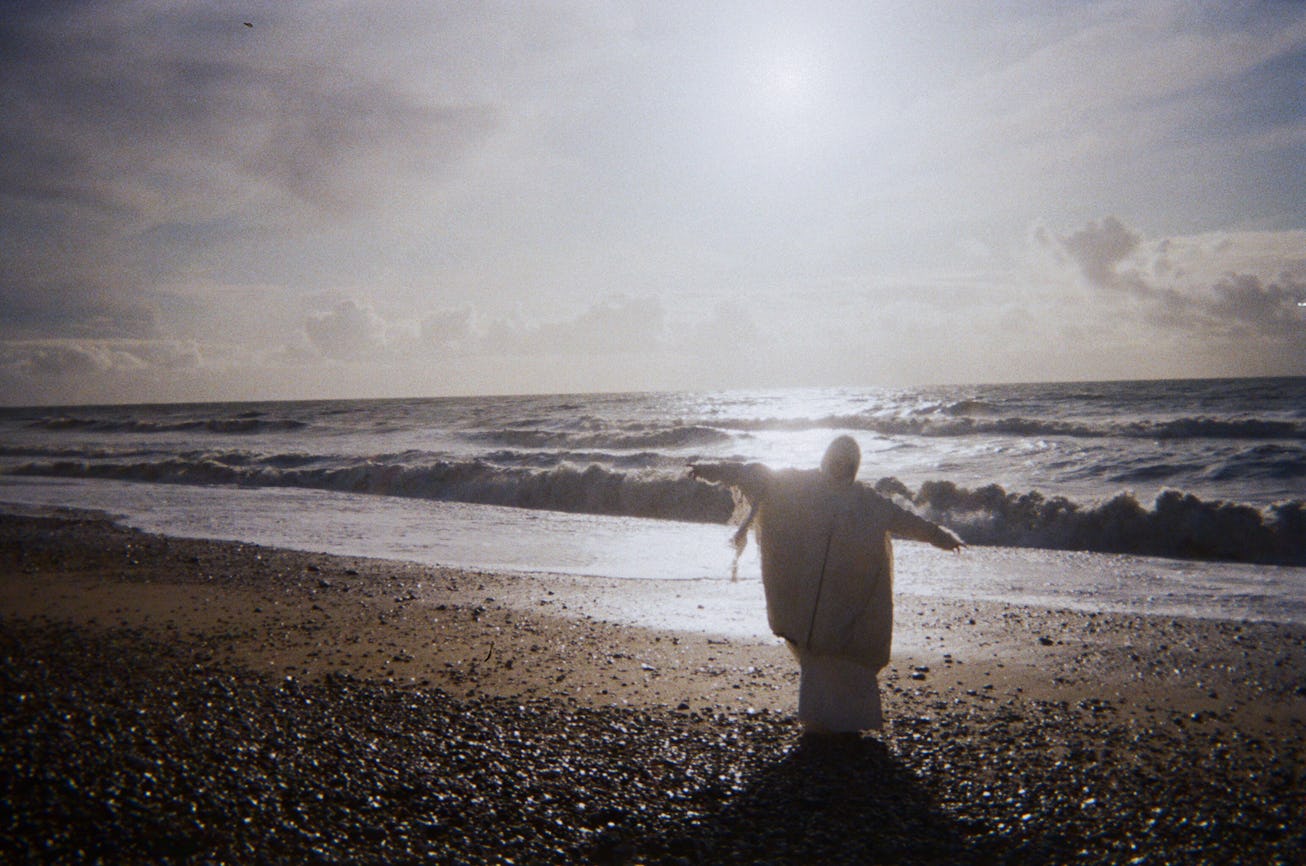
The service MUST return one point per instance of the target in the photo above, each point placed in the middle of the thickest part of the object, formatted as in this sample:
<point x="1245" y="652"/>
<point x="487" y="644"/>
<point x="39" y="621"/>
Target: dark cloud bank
<point x="134" y="137"/>
<point x="1261" y="320"/>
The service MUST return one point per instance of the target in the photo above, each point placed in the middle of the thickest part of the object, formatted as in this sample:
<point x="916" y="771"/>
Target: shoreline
<point x="521" y="541"/>
<point x="1009" y="729"/>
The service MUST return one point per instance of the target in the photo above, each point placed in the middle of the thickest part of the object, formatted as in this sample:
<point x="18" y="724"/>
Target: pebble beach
<point x="177" y="701"/>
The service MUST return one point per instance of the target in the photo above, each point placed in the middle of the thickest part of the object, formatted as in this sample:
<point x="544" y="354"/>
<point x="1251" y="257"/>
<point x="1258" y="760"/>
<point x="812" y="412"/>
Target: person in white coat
<point x="827" y="571"/>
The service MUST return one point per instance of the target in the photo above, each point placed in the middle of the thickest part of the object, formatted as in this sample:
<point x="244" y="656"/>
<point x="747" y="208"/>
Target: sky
<point x="269" y="200"/>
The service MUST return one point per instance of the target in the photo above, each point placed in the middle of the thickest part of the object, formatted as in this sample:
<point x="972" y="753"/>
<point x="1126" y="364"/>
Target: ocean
<point x="1173" y="497"/>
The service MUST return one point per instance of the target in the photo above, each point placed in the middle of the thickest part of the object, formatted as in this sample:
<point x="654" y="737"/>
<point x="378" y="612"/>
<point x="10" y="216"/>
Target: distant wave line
<point x="913" y="425"/>
<point x="964" y="418"/>
<point x="242" y="424"/>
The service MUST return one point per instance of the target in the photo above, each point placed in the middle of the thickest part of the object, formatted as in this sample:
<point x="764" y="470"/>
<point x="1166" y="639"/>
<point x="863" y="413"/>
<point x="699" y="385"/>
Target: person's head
<point x="842" y="459"/>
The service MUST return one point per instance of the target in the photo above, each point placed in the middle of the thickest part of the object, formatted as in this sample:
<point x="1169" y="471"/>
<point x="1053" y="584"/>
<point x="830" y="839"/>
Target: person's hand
<point x="948" y="540"/>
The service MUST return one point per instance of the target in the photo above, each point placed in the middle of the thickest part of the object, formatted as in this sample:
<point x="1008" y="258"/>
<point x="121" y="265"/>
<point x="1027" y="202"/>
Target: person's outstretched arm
<point x="906" y="524"/>
<point x="752" y="479"/>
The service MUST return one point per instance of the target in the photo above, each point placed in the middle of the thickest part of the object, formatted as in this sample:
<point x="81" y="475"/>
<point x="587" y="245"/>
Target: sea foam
<point x="1177" y="524"/>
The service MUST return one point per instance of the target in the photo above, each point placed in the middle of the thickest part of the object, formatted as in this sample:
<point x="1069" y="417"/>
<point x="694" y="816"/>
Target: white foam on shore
<point x="682" y="569"/>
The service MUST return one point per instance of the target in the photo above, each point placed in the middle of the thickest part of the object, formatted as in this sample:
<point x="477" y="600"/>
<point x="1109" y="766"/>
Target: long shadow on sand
<point x="829" y="800"/>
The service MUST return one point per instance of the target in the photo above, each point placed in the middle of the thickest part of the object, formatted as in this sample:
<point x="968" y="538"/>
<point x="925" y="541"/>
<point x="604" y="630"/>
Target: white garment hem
<point x="837" y="695"/>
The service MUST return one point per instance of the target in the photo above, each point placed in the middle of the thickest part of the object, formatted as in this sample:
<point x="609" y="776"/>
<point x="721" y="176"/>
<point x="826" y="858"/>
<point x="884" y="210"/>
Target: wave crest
<point x="592" y="489"/>
<point x="690" y="436"/>
<point x="246" y="423"/>
<point x="964" y="419"/>
<point x="1179" y="524"/>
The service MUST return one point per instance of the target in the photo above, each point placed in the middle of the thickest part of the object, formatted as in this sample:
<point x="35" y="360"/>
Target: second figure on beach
<point x="827" y="571"/>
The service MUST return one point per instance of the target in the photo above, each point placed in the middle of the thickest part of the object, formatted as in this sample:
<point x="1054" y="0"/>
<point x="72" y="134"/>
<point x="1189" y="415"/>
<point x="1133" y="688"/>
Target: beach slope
<point x="168" y="700"/>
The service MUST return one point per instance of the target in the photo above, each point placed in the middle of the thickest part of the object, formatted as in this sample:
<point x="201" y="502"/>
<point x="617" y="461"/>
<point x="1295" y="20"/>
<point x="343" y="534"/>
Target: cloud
<point x="144" y="144"/>
<point x="54" y="360"/>
<point x="73" y="312"/>
<point x="64" y="359"/>
<point x="1269" y="309"/>
<point x="1252" y="320"/>
<point x="487" y="176"/>
<point x="615" y="326"/>
<point x="449" y="330"/>
<point x="353" y="330"/>
<point x="143" y="111"/>
<point x="728" y="329"/>
<point x="349" y="330"/>
<point x="1099" y="248"/>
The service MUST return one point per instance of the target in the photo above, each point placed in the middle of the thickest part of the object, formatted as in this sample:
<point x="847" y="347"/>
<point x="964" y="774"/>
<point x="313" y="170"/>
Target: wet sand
<point x="171" y="700"/>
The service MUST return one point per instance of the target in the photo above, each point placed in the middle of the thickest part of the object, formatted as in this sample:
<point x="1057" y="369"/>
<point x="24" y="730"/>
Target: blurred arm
<point x="751" y="479"/>
<point x="905" y="524"/>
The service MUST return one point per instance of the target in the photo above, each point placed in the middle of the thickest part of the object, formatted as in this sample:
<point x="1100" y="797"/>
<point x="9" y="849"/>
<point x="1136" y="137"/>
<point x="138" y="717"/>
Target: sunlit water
<point x="691" y="562"/>
<point x="1027" y="474"/>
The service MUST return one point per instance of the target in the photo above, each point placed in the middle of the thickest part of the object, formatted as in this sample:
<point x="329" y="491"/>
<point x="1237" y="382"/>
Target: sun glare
<point x="788" y="83"/>
<point x="786" y="101"/>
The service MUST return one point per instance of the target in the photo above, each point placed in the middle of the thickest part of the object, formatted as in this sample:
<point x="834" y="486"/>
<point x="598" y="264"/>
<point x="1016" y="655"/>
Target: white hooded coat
<point x="827" y="557"/>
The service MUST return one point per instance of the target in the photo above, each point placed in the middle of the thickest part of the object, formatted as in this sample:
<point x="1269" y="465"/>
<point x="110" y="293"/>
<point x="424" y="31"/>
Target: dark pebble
<point x="121" y="749"/>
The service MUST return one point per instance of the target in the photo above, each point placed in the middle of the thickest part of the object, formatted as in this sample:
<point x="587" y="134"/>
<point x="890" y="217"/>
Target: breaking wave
<point x="690" y="436"/>
<point x="1178" y="524"/>
<point x="591" y="489"/>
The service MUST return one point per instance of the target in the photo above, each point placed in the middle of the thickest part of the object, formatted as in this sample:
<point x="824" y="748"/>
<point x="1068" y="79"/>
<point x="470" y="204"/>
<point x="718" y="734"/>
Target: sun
<point x="783" y="103"/>
<point x="788" y="83"/>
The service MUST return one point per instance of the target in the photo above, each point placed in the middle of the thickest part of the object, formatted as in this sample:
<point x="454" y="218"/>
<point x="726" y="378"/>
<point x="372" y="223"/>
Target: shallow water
<point x="686" y="566"/>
